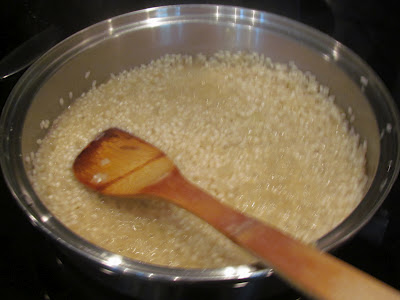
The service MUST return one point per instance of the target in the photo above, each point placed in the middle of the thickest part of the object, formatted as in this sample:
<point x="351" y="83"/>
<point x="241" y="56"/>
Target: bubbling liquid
<point x="263" y="137"/>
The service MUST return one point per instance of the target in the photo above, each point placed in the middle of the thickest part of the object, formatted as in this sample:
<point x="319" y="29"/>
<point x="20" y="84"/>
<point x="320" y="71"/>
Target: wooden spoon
<point x="119" y="164"/>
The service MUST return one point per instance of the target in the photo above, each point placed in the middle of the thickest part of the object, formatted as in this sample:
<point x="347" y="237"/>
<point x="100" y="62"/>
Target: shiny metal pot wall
<point x="136" y="38"/>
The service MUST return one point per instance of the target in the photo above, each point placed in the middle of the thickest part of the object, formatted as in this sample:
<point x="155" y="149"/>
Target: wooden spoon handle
<point x="317" y="274"/>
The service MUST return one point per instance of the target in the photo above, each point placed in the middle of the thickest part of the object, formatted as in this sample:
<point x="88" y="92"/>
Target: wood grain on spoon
<point x="120" y="164"/>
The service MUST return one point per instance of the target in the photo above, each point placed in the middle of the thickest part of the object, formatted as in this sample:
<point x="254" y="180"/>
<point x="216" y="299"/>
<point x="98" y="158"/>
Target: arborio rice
<point x="263" y="137"/>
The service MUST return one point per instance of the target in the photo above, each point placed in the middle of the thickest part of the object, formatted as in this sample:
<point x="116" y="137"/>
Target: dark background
<point x="370" y="28"/>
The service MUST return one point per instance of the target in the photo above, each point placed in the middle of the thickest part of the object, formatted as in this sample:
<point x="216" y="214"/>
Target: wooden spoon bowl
<point x="119" y="164"/>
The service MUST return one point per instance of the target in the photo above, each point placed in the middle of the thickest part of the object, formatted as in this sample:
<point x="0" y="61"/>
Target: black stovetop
<point x="29" y="267"/>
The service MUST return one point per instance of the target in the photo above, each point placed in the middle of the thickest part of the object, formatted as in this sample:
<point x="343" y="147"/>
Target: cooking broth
<point x="260" y="136"/>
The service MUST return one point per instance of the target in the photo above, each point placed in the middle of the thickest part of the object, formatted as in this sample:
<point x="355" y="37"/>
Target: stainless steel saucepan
<point x="135" y="38"/>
